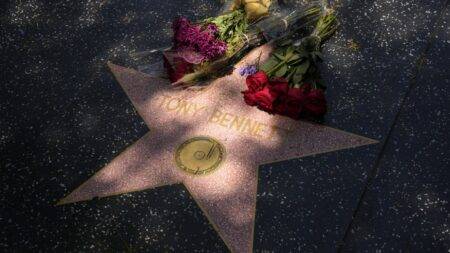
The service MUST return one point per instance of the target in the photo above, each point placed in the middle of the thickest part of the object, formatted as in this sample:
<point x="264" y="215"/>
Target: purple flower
<point x="189" y="37"/>
<point x="248" y="70"/>
<point x="212" y="28"/>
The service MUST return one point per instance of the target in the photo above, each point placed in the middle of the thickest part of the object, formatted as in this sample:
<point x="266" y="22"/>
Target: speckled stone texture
<point x="365" y="89"/>
<point x="63" y="117"/>
<point x="407" y="207"/>
<point x="228" y="195"/>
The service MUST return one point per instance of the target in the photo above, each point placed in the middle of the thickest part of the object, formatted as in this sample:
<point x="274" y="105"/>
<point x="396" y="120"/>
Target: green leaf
<point x="289" y="53"/>
<point x="303" y="68"/>
<point x="296" y="62"/>
<point x="297" y="78"/>
<point x="280" y="57"/>
<point x="319" y="55"/>
<point x="281" y="71"/>
<point x="293" y="58"/>
<point x="316" y="56"/>
<point x="300" y="52"/>
<point x="290" y="73"/>
<point x="269" y="65"/>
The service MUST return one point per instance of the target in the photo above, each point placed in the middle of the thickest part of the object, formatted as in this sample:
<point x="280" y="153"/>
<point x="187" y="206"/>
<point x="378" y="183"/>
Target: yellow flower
<point x="254" y="9"/>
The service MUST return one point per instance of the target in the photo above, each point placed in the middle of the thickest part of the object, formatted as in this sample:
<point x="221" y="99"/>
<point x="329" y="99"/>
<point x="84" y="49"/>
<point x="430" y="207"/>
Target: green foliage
<point x="295" y="63"/>
<point x="232" y="27"/>
<point x="298" y="63"/>
<point x="326" y="25"/>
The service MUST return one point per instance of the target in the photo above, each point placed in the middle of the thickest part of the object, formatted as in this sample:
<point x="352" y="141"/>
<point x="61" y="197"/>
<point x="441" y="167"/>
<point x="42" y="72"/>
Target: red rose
<point x="176" y="67"/>
<point x="264" y="99"/>
<point x="249" y="98"/>
<point x="257" y="81"/>
<point x="305" y="88"/>
<point x="275" y="96"/>
<point x="279" y="86"/>
<point x="315" y="103"/>
<point x="294" y="102"/>
<point x="304" y="101"/>
<point x="279" y="107"/>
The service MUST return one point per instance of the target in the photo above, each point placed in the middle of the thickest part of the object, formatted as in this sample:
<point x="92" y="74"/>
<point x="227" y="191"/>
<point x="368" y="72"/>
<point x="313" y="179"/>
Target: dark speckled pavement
<point x="63" y="117"/>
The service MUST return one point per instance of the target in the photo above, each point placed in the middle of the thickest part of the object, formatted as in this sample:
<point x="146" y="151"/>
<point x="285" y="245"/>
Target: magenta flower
<point x="202" y="40"/>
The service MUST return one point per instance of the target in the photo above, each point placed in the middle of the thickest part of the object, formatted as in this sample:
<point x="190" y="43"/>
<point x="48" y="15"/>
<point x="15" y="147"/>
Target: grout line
<point x="413" y="84"/>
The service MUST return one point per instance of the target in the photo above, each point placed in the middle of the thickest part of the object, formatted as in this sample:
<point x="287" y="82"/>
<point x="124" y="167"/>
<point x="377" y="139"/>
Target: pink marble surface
<point x="227" y="196"/>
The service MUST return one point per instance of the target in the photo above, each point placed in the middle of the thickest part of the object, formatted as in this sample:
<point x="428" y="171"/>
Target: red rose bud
<point x="279" y="87"/>
<point x="257" y="81"/>
<point x="265" y="99"/>
<point x="249" y="98"/>
<point x="315" y="103"/>
<point x="305" y="88"/>
<point x="280" y="107"/>
<point x="293" y="102"/>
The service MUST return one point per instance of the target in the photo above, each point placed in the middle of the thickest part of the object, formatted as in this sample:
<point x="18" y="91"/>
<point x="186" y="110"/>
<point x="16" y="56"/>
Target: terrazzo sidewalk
<point x="63" y="117"/>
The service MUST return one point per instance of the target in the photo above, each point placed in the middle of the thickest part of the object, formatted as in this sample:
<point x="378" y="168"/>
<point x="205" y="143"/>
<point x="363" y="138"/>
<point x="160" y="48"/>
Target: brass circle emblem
<point x="199" y="155"/>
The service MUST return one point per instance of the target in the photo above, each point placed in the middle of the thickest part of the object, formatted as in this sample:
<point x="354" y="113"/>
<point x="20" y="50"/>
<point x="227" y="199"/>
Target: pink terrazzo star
<point x="250" y="137"/>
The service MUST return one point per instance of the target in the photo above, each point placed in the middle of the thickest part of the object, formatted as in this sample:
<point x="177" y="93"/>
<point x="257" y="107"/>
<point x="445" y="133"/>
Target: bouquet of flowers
<point x="209" y="49"/>
<point x="288" y="83"/>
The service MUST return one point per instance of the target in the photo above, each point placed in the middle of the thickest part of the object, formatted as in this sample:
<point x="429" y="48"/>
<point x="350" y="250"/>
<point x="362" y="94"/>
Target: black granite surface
<point x="365" y="88"/>
<point x="63" y="117"/>
<point x="407" y="206"/>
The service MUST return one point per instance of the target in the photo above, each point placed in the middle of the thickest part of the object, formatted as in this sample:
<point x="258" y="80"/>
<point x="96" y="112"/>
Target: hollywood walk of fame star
<point x="211" y="142"/>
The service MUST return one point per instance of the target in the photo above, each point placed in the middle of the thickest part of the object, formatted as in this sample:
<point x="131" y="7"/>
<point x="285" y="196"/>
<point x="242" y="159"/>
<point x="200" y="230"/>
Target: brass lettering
<point x="215" y="116"/>
<point x="197" y="108"/>
<point x="163" y="100"/>
<point x="184" y="107"/>
<point x="237" y="123"/>
<point x="226" y="119"/>
<point x="249" y="126"/>
<point x="172" y="108"/>
<point x="260" y="127"/>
